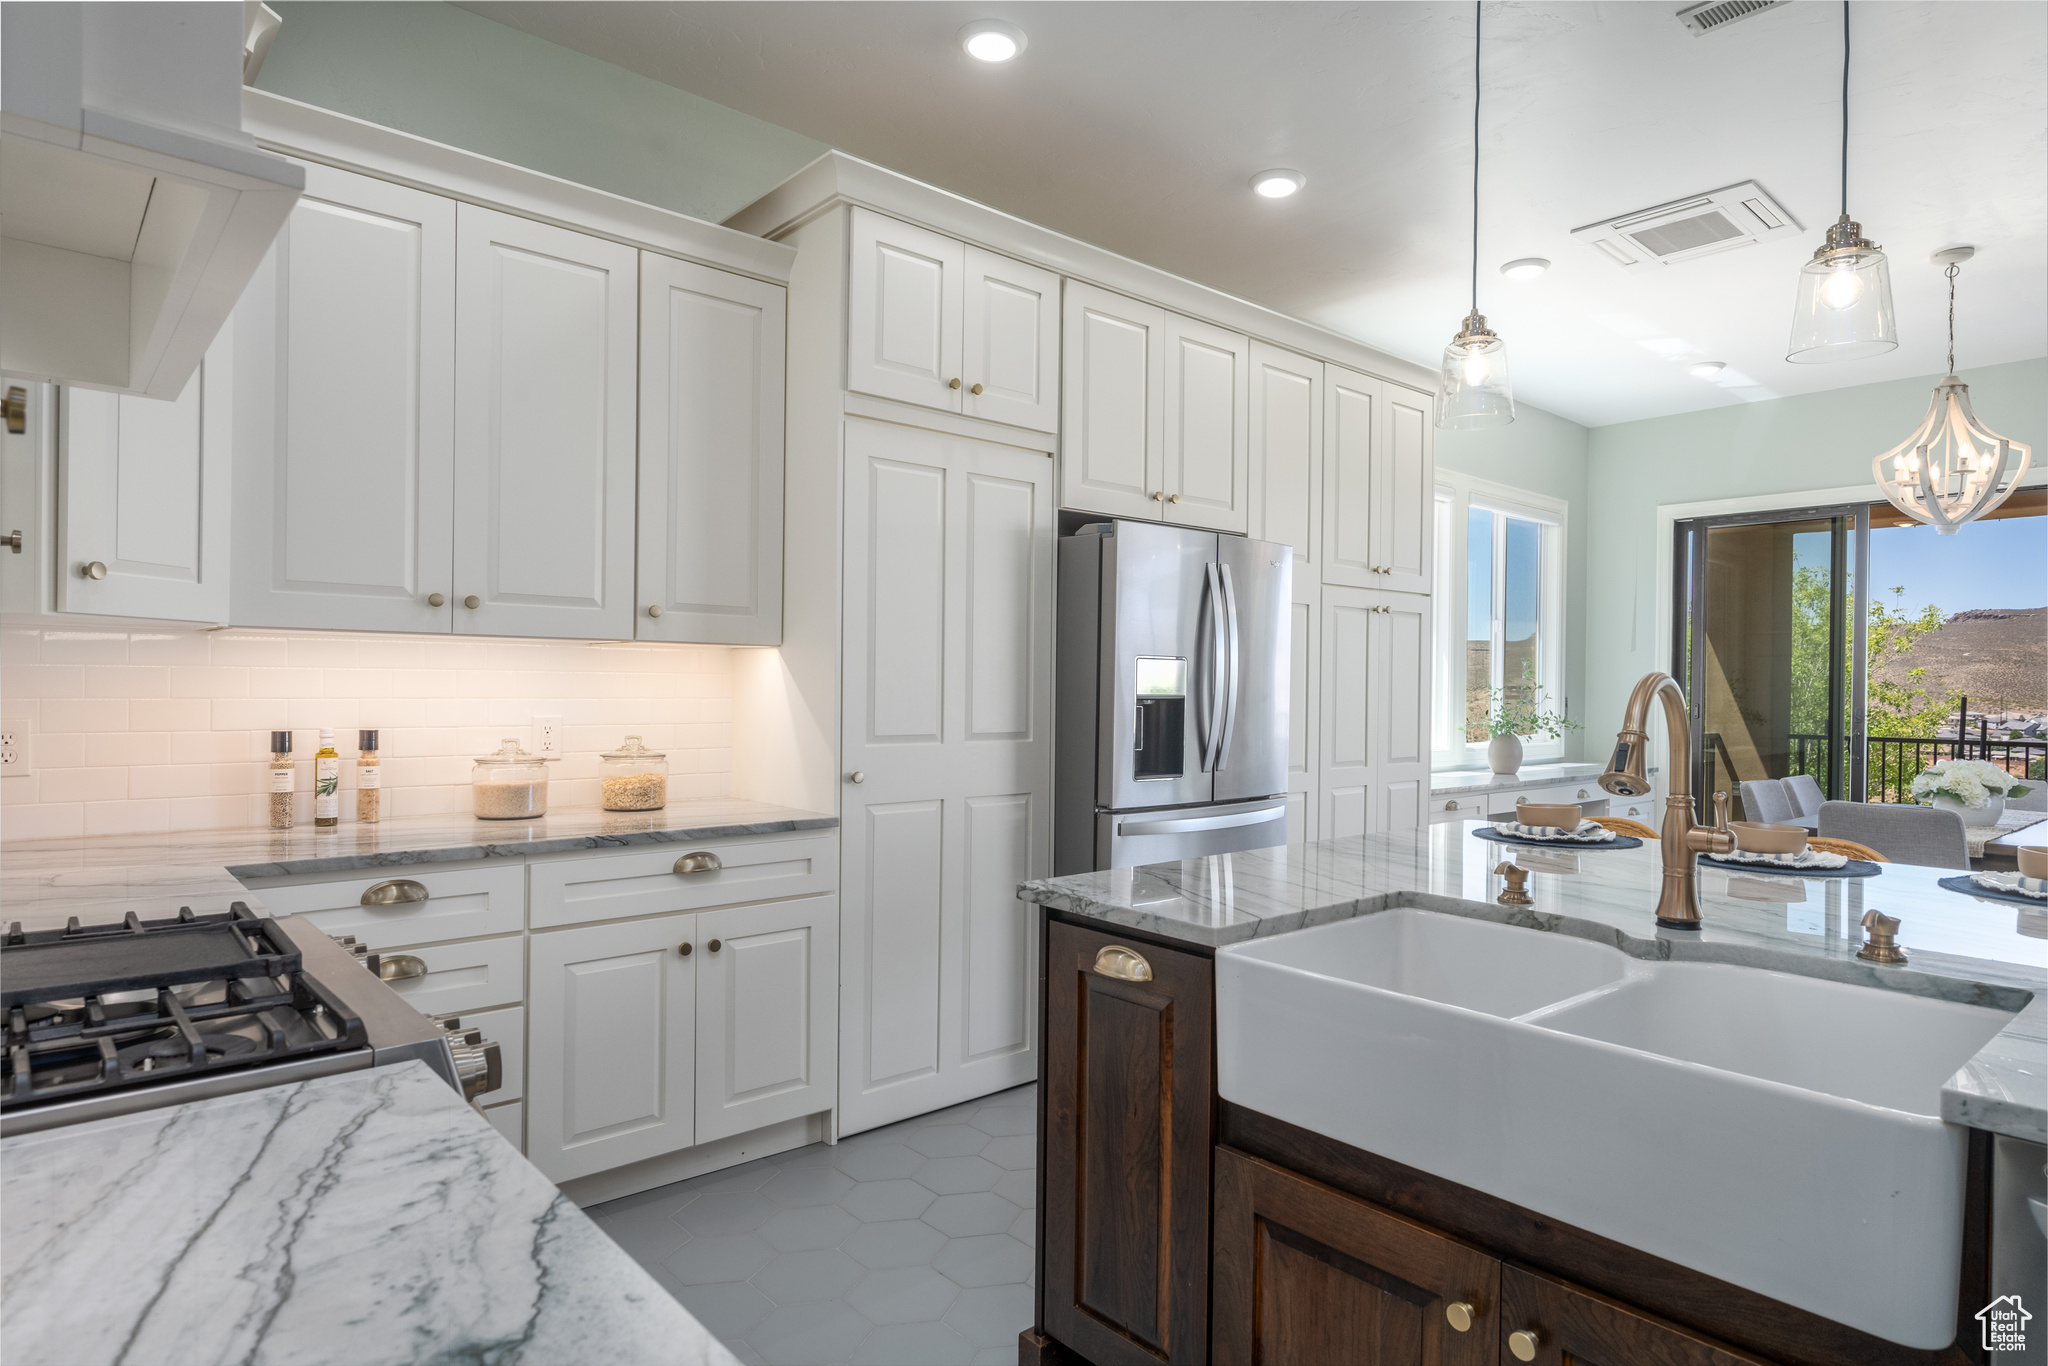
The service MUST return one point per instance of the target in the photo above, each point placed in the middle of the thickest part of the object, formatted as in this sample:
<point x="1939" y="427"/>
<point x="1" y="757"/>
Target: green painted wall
<point x="455" y="77"/>
<point x="1544" y="454"/>
<point x="1787" y="445"/>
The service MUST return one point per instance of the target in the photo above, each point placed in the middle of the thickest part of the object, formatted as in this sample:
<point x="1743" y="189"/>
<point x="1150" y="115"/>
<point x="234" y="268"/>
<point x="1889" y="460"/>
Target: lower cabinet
<point x="1128" y="1081"/>
<point x="1554" y="1323"/>
<point x="649" y="1036"/>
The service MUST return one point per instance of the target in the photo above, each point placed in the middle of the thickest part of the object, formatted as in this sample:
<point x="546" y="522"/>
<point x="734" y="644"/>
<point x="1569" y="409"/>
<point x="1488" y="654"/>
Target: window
<point x="1499" y="608"/>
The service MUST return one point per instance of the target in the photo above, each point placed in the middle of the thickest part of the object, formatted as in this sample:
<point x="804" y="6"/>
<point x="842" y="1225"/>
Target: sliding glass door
<point x="1769" y="645"/>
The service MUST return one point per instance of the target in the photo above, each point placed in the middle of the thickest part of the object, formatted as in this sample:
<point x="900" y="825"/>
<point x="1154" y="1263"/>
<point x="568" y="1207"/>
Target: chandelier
<point x="1952" y="469"/>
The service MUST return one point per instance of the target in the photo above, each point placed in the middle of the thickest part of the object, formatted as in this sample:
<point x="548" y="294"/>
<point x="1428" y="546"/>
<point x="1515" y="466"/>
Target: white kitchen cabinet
<point x="1378" y="483"/>
<point x="144" y="515"/>
<point x="1010" y="342"/>
<point x="1112" y="387"/>
<point x="344" y="417"/>
<point x="459" y="903"/>
<point x="1351" y="419"/>
<point x="469" y="974"/>
<point x="710" y="520"/>
<point x="1287" y="454"/>
<point x="1207" y="432"/>
<point x="611" y="886"/>
<point x="1373" y="768"/>
<point x="767" y="1003"/>
<point x="545" y="381"/>
<point x="611" y="1045"/>
<point x="1404" y="490"/>
<point x="947" y="719"/>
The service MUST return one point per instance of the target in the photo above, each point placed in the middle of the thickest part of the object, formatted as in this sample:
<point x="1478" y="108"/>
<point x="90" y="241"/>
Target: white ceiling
<point x="1136" y="125"/>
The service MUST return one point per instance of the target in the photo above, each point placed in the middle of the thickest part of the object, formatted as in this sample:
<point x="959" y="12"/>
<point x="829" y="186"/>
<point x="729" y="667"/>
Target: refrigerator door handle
<point x="1209" y="714"/>
<point x="1231" y="655"/>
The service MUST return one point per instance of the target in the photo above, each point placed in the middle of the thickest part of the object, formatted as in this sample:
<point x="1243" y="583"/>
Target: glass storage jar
<point x="510" y="784"/>
<point x="635" y="778"/>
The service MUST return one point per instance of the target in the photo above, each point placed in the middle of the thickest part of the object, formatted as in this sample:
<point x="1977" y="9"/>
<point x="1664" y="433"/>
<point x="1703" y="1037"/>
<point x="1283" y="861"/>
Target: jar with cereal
<point x="635" y="778"/>
<point x="511" y="784"/>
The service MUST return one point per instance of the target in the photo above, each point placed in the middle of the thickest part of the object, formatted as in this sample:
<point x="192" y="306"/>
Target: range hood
<point x="133" y="208"/>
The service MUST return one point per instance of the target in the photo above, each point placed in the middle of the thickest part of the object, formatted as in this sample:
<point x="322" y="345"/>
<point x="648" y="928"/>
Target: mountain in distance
<point x="1997" y="657"/>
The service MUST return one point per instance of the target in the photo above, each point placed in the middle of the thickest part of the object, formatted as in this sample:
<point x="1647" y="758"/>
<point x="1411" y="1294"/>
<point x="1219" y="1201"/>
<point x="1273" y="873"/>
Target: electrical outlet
<point x="14" y="755"/>
<point x="547" y="735"/>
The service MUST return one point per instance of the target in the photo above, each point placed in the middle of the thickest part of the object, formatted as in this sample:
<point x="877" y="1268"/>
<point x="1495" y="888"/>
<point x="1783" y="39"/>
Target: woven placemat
<point x="1592" y="846"/>
<point x="1963" y="884"/>
<point x="1855" y="867"/>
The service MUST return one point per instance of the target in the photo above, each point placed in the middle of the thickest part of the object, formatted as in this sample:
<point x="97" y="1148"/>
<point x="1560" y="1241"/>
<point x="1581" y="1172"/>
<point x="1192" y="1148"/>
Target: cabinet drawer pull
<point x="684" y="948"/>
<point x="400" y="967"/>
<point x="1126" y="965"/>
<point x="397" y="892"/>
<point x="1524" y="1344"/>
<point x="715" y="945"/>
<point x="705" y="862"/>
<point x="1582" y="792"/>
<point x="1460" y="1315"/>
<point x="1451" y="806"/>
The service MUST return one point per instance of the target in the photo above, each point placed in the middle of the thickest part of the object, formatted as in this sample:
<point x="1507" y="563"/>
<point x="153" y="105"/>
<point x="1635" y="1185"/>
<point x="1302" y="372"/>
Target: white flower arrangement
<point x="1972" y="782"/>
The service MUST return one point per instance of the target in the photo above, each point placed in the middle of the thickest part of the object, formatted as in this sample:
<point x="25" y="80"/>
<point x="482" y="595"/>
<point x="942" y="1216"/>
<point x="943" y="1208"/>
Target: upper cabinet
<point x="1157" y="414"/>
<point x="345" y="414"/>
<point x="546" y="326"/>
<point x="933" y="321"/>
<point x="1379" y="465"/>
<point x="1287" y="454"/>
<point x="711" y="347"/>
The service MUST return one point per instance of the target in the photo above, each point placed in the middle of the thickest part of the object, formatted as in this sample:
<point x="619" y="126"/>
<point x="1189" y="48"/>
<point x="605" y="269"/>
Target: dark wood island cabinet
<point x="1175" y="1227"/>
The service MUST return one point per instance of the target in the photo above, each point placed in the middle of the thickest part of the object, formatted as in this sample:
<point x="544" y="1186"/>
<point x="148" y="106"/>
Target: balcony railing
<point x="1893" y="761"/>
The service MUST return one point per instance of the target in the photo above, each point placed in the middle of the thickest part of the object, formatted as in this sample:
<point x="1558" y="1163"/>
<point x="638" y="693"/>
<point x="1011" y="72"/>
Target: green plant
<point x="1518" y="710"/>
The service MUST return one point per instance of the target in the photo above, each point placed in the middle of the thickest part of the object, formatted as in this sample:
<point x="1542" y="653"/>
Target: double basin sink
<point x="1779" y="1132"/>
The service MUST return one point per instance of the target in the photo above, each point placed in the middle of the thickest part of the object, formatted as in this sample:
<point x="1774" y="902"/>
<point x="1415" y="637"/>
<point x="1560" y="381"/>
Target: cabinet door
<point x="1346" y="754"/>
<point x="1304" y="714"/>
<point x="947" y="715"/>
<point x="1374" y="760"/>
<point x="145" y="494"/>
<point x="1304" y="1273"/>
<point x="1352" y="424"/>
<point x="1287" y="454"/>
<point x="1208" y="426"/>
<point x="1127" y="1110"/>
<point x="904" y="304"/>
<point x="1010" y="366"/>
<point x="1112" y="396"/>
<point x="711" y="365"/>
<point x="546" y="330"/>
<point x="1575" y="1327"/>
<point x="765" y="1014"/>
<point x="1404" y="482"/>
<point x="611" y="1044"/>
<point x="344" y="413"/>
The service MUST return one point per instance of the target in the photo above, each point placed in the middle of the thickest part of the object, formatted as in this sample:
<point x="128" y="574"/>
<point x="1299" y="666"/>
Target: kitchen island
<point x="369" y="1218"/>
<point x="1139" y="1010"/>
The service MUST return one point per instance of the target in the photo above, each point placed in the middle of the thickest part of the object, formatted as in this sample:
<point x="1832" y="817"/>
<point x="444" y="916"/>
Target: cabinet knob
<point x="654" y="609"/>
<point x="15" y="405"/>
<point x="1460" y="1315"/>
<point x="974" y="389"/>
<point x="1159" y="496"/>
<point x="1582" y="792"/>
<point x="437" y="599"/>
<point x="715" y="945"/>
<point x="92" y="569"/>
<point x="12" y="540"/>
<point x="684" y="948"/>
<point x="705" y="862"/>
<point x="472" y="602"/>
<point x="1174" y="498"/>
<point x="1524" y="1344"/>
<point x="857" y="777"/>
<point x="953" y="383"/>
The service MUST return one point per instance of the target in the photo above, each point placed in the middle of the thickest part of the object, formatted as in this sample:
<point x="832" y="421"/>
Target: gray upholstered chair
<point x="1903" y="834"/>
<point x="1765" y="800"/>
<point x="1805" y="794"/>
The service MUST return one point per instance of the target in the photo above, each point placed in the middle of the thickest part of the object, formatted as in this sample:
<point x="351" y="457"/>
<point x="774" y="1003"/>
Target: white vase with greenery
<point x="1973" y="789"/>
<point x="1523" y="712"/>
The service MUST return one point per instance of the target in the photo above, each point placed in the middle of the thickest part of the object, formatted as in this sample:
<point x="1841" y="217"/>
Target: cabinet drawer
<point x="1457" y="809"/>
<point x="462" y="903"/>
<point x="506" y="1028"/>
<point x="614" y="886"/>
<point x="510" y="1120"/>
<point x="473" y="975"/>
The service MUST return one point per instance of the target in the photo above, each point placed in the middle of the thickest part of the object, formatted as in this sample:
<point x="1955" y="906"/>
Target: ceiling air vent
<point x="1715" y="14"/>
<point x="1699" y="225"/>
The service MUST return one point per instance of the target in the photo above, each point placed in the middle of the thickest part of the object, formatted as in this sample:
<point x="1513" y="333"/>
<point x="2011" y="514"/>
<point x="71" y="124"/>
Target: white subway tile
<point x="287" y="683"/>
<point x="42" y="680"/>
<point x="250" y="713"/>
<point x="85" y="647"/>
<point x="213" y="746"/>
<point x="84" y="714"/>
<point x="64" y="749"/>
<point x="177" y="647"/>
<point x="170" y="780"/>
<point x="84" y="784"/>
<point x="20" y="789"/>
<point x="21" y="645"/>
<point x="127" y="817"/>
<point x="243" y="648"/>
<point x="321" y="651"/>
<point x="209" y="680"/>
<point x="250" y="811"/>
<point x="44" y="821"/>
<point x="170" y="713"/>
<point x="124" y="747"/>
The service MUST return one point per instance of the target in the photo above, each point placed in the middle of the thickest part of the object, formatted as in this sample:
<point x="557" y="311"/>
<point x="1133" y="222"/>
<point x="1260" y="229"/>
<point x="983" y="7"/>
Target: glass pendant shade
<point x="1473" y="389"/>
<point x="1953" y="469"/>
<point x="1844" y="310"/>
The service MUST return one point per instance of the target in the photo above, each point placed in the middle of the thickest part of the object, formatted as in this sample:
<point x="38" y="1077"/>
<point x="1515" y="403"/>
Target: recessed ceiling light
<point x="1278" y="184"/>
<point x="992" y="40"/>
<point x="1528" y="268"/>
<point x="1706" y="369"/>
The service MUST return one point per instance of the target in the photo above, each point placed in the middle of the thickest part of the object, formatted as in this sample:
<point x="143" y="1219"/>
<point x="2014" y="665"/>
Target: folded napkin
<point x="1808" y="858"/>
<point x="1588" y="832"/>
<point x="2012" y="882"/>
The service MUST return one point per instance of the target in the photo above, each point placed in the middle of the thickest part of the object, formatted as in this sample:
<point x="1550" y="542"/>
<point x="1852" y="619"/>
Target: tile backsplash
<point x="151" y="731"/>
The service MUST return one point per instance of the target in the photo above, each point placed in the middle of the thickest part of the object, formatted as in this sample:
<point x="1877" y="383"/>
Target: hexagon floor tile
<point x="904" y="1244"/>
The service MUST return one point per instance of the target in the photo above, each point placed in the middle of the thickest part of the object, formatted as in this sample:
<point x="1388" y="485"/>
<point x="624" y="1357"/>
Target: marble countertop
<point x="1472" y="782"/>
<point x="371" y="1217"/>
<point x="103" y="877"/>
<point x="1960" y="948"/>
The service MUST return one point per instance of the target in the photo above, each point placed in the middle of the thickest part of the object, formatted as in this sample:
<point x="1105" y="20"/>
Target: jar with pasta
<point x="633" y="777"/>
<point x="511" y="784"/>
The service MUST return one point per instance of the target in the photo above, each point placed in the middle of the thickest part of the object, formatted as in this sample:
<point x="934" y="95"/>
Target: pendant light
<point x="1473" y="389"/>
<point x="1844" y="310"/>
<point x="1952" y="469"/>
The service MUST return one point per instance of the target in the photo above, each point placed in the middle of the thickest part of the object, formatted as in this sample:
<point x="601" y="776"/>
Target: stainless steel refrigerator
<point x="1171" y="737"/>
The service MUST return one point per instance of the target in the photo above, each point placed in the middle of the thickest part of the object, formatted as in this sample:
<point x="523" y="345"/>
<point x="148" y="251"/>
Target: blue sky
<point x="2001" y="563"/>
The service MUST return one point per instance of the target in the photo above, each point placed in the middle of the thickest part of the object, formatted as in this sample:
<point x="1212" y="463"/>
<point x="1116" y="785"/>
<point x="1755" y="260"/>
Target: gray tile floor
<point x="903" y="1245"/>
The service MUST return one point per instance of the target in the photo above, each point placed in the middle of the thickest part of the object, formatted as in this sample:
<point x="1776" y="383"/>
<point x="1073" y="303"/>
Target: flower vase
<point x="1504" y="755"/>
<point x="1985" y="815"/>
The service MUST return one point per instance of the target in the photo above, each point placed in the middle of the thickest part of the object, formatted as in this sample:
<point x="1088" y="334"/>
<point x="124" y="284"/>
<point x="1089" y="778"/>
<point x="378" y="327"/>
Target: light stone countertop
<point x="371" y="1217"/>
<point x="1961" y="948"/>
<point x="103" y="877"/>
<point x="1472" y="782"/>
